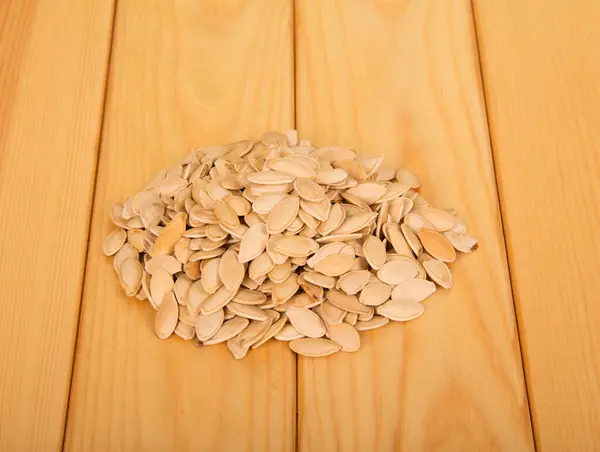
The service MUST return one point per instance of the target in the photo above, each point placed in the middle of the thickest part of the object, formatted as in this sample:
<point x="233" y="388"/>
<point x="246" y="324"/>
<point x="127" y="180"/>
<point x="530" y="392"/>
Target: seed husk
<point x="336" y="217"/>
<point x="161" y="282"/>
<point x="270" y="178"/>
<point x="414" y="290"/>
<point x="273" y="330"/>
<point x="288" y="333"/>
<point x="249" y="297"/>
<point x="264" y="204"/>
<point x="248" y="311"/>
<point x="396" y="271"/>
<point x="130" y="276"/>
<point x="401" y="310"/>
<point x="368" y="192"/>
<point x="327" y="282"/>
<point x="114" y="241"/>
<point x="437" y="245"/>
<point x="437" y="271"/>
<point x="217" y="300"/>
<point x="329" y="313"/>
<point x="314" y="347"/>
<point x="181" y="288"/>
<point x="374" y="252"/>
<point x="462" y="242"/>
<point x="184" y="331"/>
<point x="285" y="290"/>
<point x="300" y="300"/>
<point x="165" y="319"/>
<point x="306" y="322"/>
<point x="253" y="243"/>
<point x="229" y="329"/>
<point x="309" y="190"/>
<point x="226" y="214"/>
<point x="346" y="302"/>
<point x="296" y="246"/>
<point x="375" y="293"/>
<point x="166" y="262"/>
<point x="210" y="278"/>
<point x="335" y="264"/>
<point x="231" y="272"/>
<point x="208" y="325"/>
<point x="280" y="273"/>
<point x="440" y="219"/>
<point x="127" y="251"/>
<point x="345" y="335"/>
<point x="354" y="281"/>
<point x="375" y="322"/>
<point x="356" y="223"/>
<point x="169" y="236"/>
<point x="283" y="214"/>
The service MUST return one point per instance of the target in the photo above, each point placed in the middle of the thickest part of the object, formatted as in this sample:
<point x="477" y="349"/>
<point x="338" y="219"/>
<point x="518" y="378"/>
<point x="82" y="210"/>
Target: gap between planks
<point x="503" y="228"/>
<point x="89" y="226"/>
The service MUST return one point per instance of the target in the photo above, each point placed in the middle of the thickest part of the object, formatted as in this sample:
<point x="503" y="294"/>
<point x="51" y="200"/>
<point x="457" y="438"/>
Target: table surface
<point x="495" y="104"/>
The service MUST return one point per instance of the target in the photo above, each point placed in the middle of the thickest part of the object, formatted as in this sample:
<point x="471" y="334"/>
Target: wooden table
<point x="494" y="104"/>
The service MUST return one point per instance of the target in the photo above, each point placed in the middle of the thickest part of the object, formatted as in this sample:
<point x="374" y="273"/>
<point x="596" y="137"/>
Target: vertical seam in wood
<point x="295" y="79"/>
<point x="89" y="227"/>
<point x="499" y="201"/>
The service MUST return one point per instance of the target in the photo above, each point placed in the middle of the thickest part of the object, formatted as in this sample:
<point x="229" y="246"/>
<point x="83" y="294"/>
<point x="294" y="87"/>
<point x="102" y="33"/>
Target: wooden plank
<point x="53" y="60"/>
<point x="183" y="74"/>
<point x="402" y="79"/>
<point x="541" y="66"/>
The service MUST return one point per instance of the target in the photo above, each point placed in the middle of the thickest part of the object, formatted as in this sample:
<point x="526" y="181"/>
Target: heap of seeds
<point x="277" y="238"/>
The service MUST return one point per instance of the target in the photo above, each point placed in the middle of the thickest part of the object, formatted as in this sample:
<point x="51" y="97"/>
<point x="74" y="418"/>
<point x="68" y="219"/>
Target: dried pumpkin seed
<point x="165" y="319"/>
<point x="314" y="347"/>
<point x="345" y="335"/>
<point x="114" y="241"/>
<point x="308" y="222"/>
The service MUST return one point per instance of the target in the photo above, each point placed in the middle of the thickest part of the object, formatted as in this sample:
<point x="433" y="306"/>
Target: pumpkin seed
<point x="283" y="214"/>
<point x="401" y="310"/>
<point x="314" y="347"/>
<point x="288" y="333"/>
<point x="231" y="272"/>
<point x="165" y="319"/>
<point x="253" y="243"/>
<point x="374" y="252"/>
<point x="229" y="329"/>
<point x="462" y="242"/>
<point x="345" y="335"/>
<point x="208" y="325"/>
<point x="334" y="264"/>
<point x="114" y="241"/>
<point x="130" y="276"/>
<point x="376" y="322"/>
<point x="396" y="271"/>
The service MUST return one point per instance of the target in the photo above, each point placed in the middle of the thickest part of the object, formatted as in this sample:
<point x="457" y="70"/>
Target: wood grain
<point x="183" y="74"/>
<point x="53" y="60"/>
<point x="541" y="66"/>
<point x="402" y="78"/>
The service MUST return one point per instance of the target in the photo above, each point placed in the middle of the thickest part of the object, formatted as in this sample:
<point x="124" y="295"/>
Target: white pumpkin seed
<point x="345" y="335"/>
<point x="401" y="310"/>
<point x="314" y="347"/>
<point x="165" y="319"/>
<point x="114" y="241"/>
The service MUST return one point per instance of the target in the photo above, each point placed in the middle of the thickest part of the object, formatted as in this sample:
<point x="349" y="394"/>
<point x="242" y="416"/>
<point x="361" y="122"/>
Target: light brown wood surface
<point x="52" y="74"/>
<point x="541" y="67"/>
<point x="394" y="77"/>
<point x="183" y="74"/>
<point x="402" y="79"/>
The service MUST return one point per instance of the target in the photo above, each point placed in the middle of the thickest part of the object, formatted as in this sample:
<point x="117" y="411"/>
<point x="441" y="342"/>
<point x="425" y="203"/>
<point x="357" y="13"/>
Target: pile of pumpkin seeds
<point x="279" y="239"/>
